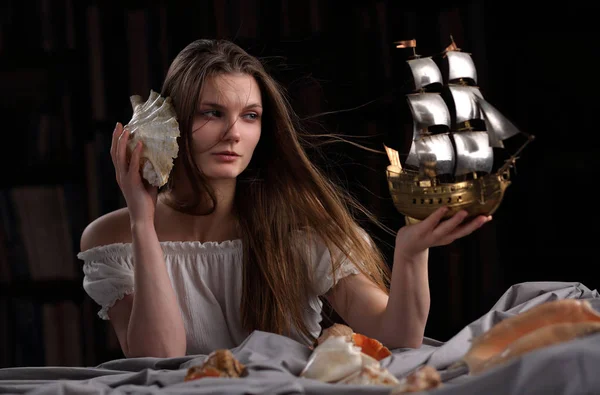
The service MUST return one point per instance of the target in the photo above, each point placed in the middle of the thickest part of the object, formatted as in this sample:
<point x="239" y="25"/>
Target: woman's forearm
<point x="409" y="301"/>
<point x="156" y="325"/>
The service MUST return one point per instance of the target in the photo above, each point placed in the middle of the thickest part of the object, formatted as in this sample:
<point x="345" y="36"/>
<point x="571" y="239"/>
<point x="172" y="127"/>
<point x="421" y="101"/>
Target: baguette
<point x="542" y="337"/>
<point x="504" y="333"/>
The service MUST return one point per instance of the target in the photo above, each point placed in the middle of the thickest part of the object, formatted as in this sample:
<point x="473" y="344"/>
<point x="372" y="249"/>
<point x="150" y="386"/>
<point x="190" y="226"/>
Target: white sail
<point x="460" y="66"/>
<point x="425" y="72"/>
<point x="466" y="104"/>
<point x="435" y="153"/>
<point x="473" y="152"/>
<point x="413" y="159"/>
<point x="497" y="125"/>
<point x="427" y="109"/>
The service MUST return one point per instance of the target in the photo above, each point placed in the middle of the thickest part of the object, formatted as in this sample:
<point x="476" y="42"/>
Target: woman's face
<point x="227" y="125"/>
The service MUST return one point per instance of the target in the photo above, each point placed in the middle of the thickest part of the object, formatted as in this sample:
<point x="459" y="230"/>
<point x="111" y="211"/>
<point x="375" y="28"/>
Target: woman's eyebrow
<point x="221" y="107"/>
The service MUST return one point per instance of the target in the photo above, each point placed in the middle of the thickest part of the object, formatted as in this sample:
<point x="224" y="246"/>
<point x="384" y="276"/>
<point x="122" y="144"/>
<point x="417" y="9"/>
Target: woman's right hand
<point x="139" y="194"/>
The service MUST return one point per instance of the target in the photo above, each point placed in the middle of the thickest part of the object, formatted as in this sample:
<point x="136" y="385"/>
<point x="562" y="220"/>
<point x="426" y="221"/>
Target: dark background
<point x="68" y="67"/>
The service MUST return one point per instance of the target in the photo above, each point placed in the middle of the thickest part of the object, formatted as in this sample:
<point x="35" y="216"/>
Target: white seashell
<point x="375" y="375"/>
<point x="155" y="123"/>
<point x="336" y="330"/>
<point x="336" y="359"/>
<point x="368" y="360"/>
<point x="337" y="343"/>
<point x="424" y="378"/>
<point x="333" y="360"/>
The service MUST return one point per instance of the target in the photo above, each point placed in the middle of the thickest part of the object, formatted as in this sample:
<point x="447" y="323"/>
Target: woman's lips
<point x="226" y="156"/>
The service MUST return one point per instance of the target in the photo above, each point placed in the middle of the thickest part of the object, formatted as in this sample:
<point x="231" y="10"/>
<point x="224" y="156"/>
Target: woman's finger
<point x="472" y="226"/>
<point x="134" y="162"/>
<point x="466" y="228"/>
<point x="122" y="151"/>
<point x="114" y="140"/>
<point x="113" y="150"/>
<point x="434" y="218"/>
<point x="450" y="224"/>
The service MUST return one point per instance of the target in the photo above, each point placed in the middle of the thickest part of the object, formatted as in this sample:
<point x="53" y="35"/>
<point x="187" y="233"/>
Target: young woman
<point x="247" y="234"/>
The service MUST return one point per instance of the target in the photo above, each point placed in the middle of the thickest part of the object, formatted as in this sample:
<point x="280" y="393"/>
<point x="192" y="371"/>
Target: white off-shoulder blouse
<point x="207" y="279"/>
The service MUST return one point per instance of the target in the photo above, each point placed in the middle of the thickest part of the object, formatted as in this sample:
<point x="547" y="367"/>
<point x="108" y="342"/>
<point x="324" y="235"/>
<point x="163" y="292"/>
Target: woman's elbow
<point x="140" y="345"/>
<point x="143" y="346"/>
<point x="414" y="342"/>
<point x="163" y="352"/>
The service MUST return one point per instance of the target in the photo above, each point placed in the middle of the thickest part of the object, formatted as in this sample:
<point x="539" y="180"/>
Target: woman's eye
<point x="251" y="116"/>
<point x="211" y="114"/>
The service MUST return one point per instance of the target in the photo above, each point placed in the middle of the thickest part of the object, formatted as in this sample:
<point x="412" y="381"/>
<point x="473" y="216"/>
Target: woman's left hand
<point x="414" y="239"/>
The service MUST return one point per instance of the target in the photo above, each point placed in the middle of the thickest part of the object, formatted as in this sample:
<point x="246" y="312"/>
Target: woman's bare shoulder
<point x="110" y="228"/>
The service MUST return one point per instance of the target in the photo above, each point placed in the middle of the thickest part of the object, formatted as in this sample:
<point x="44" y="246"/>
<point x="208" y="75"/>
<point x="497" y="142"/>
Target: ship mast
<point x="432" y="154"/>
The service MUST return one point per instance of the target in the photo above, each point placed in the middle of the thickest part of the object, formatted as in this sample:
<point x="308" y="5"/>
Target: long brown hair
<point x="280" y="193"/>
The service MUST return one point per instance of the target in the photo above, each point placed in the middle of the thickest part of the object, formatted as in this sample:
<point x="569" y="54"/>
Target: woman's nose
<point x="232" y="133"/>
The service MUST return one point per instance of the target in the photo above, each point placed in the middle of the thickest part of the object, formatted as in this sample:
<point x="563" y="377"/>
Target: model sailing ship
<point x="454" y="133"/>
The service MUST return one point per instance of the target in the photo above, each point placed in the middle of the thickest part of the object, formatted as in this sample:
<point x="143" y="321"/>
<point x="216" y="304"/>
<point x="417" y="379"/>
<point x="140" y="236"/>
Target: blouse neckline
<point x="168" y="247"/>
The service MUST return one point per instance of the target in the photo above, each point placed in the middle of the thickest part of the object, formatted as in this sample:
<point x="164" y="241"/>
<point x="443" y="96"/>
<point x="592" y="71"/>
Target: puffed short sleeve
<point x="108" y="275"/>
<point x="321" y="263"/>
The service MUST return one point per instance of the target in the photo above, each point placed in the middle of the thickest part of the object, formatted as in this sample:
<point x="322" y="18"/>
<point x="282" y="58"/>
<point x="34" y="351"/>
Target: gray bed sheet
<point x="275" y="361"/>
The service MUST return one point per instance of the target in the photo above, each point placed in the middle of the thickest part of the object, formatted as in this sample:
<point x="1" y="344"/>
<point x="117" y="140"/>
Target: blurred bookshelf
<point x="54" y="158"/>
<point x="69" y="67"/>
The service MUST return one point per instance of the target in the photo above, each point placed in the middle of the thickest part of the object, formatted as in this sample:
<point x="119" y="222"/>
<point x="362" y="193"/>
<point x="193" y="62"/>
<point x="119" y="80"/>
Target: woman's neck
<point x="220" y="225"/>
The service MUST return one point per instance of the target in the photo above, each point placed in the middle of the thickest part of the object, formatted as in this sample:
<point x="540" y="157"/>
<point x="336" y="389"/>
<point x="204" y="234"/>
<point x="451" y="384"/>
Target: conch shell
<point x="342" y="356"/>
<point x="371" y="347"/>
<point x="337" y="359"/>
<point x="154" y="122"/>
<point x="335" y="330"/>
<point x="220" y="363"/>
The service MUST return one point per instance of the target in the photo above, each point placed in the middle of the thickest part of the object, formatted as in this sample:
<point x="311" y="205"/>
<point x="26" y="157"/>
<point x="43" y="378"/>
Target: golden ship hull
<point x="417" y="199"/>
